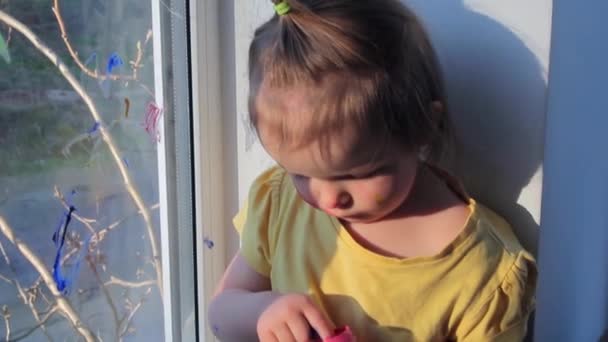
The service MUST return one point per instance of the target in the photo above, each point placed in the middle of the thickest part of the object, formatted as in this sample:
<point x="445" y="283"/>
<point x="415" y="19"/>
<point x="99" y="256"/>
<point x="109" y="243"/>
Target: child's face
<point x="354" y="182"/>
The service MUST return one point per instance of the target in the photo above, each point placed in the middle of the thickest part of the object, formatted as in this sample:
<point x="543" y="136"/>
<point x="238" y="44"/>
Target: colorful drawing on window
<point x="127" y="106"/>
<point x="94" y="128"/>
<point x="59" y="239"/>
<point x="100" y="275"/>
<point x="114" y="61"/>
<point x="151" y="120"/>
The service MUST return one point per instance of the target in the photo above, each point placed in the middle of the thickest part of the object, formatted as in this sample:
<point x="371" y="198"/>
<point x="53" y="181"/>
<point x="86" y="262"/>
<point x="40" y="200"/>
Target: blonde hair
<point x="363" y="62"/>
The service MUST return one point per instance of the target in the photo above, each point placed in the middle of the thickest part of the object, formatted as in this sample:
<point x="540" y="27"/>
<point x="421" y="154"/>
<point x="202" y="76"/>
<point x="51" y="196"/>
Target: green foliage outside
<point x="34" y="127"/>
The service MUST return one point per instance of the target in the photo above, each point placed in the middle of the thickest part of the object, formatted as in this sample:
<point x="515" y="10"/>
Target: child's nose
<point x="333" y="198"/>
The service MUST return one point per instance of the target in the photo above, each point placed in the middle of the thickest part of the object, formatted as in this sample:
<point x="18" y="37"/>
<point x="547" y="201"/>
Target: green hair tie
<point x="282" y="8"/>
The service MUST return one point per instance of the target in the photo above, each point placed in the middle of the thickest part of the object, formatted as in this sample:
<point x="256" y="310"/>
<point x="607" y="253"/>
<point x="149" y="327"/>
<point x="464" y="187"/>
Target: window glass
<point x="80" y="130"/>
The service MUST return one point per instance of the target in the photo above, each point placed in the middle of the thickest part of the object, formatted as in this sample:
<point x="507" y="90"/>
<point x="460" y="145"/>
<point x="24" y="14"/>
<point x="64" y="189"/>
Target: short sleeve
<point x="504" y="315"/>
<point x="255" y="221"/>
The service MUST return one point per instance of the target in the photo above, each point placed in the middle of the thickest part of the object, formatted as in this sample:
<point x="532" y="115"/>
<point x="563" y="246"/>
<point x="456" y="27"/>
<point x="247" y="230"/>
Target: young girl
<point x="357" y="225"/>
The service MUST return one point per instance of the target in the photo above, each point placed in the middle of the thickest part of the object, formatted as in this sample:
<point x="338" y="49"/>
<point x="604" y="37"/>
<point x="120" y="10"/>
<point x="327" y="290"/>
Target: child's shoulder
<point x="269" y="195"/>
<point x="495" y="229"/>
<point x="263" y="197"/>
<point x="497" y="258"/>
<point x="271" y="178"/>
<point x="268" y="187"/>
<point x="497" y="277"/>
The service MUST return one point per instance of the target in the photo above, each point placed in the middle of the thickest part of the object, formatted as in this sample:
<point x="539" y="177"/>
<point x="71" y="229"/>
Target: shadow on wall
<point x="496" y="89"/>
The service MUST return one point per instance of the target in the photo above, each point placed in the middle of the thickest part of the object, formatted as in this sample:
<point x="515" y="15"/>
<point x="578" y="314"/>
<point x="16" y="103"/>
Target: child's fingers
<point x="318" y="322"/>
<point x="284" y="334"/>
<point x="313" y="335"/>
<point x="267" y="336"/>
<point x="299" y="328"/>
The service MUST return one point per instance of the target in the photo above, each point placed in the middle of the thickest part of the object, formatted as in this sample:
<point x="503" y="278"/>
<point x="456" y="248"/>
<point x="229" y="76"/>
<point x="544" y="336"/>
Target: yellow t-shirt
<point x="479" y="288"/>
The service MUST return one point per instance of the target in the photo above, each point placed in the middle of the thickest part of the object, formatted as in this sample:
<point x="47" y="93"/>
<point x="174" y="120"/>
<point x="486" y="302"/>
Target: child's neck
<point x="430" y="194"/>
<point x="430" y="218"/>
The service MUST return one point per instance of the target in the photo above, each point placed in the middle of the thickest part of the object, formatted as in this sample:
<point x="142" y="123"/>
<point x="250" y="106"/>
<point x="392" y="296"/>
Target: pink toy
<point x="343" y="334"/>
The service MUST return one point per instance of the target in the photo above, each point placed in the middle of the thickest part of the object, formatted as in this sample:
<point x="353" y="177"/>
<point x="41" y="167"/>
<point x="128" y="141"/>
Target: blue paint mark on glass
<point x="62" y="221"/>
<point x="113" y="62"/>
<point x="59" y="278"/>
<point x="94" y="128"/>
<point x="59" y="239"/>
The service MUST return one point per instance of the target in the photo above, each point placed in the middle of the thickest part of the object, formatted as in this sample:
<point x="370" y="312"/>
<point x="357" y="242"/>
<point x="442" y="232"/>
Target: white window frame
<point x="162" y="173"/>
<point x="209" y="160"/>
<point x="179" y="283"/>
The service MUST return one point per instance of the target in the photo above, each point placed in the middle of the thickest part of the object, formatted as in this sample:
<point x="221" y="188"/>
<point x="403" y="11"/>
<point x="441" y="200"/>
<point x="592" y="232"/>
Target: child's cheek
<point x="379" y="191"/>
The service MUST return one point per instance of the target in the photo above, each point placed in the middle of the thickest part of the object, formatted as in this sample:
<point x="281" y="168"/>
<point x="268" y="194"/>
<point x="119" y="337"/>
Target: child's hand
<point x="289" y="318"/>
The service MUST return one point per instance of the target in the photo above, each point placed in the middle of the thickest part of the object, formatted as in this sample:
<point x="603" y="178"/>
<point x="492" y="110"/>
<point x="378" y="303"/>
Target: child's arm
<point x="241" y="296"/>
<point x="244" y="307"/>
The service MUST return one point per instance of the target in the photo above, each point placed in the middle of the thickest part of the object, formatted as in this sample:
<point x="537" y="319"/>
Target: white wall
<point x="251" y="157"/>
<point x="495" y="55"/>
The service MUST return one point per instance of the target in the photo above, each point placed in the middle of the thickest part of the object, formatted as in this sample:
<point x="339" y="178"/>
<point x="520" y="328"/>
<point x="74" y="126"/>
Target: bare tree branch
<point x="87" y="222"/>
<point x="21" y="293"/>
<point x="117" y="281"/>
<point x="4" y="255"/>
<point x="6" y="279"/>
<point x="103" y="232"/>
<point x="63" y="303"/>
<point x="107" y="296"/>
<point x="40" y="324"/>
<point x="135" y="65"/>
<point x="126" y="322"/>
<point x="107" y="137"/>
<point x="7" y="315"/>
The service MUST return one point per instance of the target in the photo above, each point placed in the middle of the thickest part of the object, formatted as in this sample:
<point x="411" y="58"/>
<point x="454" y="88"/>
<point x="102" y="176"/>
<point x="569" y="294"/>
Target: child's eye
<point x="368" y="174"/>
<point x="372" y="173"/>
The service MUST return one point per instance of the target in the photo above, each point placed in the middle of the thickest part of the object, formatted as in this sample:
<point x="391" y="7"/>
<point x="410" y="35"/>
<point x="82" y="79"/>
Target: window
<point x="96" y="178"/>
